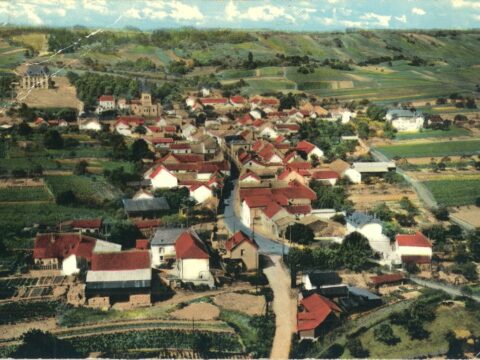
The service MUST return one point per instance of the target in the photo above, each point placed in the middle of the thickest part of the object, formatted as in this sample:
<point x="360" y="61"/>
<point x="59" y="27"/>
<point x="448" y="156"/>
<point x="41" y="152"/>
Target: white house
<point x="200" y="193"/>
<point x="309" y="149"/>
<point x="190" y="101"/>
<point x="123" y="128"/>
<point x="193" y="260"/>
<point x="344" y="169"/>
<point x="161" y="177"/>
<point x="250" y="178"/>
<point x="415" y="248"/>
<point x="163" y="246"/>
<point x="268" y="131"/>
<point x="142" y="194"/>
<point x="405" y="119"/>
<point x="90" y="124"/>
<point x="256" y="114"/>
<point x="106" y="102"/>
<point x="188" y="130"/>
<point x="344" y="115"/>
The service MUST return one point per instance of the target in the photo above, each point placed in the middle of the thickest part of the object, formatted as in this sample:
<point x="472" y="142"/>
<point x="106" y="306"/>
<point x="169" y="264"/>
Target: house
<point x="152" y="207"/>
<point x="36" y="76"/>
<point x="123" y="104"/>
<point x="161" y="178"/>
<point x="145" y="106"/>
<point x="142" y="194"/>
<point x="317" y="316"/>
<point x="238" y="101"/>
<point x="216" y="103"/>
<point x="147" y="226"/>
<point x="325" y="176"/>
<point x="359" y="299"/>
<point x="193" y="260"/>
<point x="309" y="149"/>
<point x="243" y="249"/>
<point x="342" y="114"/>
<point x="119" y="277"/>
<point x="374" y="168"/>
<point x="200" y="192"/>
<point x="90" y="124"/>
<point x="405" y="119"/>
<point x="345" y="171"/>
<point x="87" y="225"/>
<point x="316" y="279"/>
<point x="413" y="248"/>
<point x="163" y="246"/>
<point x="249" y="177"/>
<point x="106" y="102"/>
<point x="68" y="252"/>
<point x="387" y="279"/>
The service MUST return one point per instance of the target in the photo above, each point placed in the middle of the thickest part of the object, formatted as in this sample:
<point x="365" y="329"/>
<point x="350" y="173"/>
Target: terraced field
<point x="22" y="194"/>
<point x="90" y="189"/>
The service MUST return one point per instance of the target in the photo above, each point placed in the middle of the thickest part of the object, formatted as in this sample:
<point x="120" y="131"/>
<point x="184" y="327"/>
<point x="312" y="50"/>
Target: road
<point x="284" y="306"/>
<point x="233" y="222"/>
<point x="449" y="289"/>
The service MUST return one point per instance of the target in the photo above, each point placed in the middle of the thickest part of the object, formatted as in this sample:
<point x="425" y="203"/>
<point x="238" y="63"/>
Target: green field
<point x="86" y="188"/>
<point x="433" y="149"/>
<point x="447" y="319"/>
<point x="236" y="74"/>
<point x="427" y="133"/>
<point x="20" y="194"/>
<point x="454" y="192"/>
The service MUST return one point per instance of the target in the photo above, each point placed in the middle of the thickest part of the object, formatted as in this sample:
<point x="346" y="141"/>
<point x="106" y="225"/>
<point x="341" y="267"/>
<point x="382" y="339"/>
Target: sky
<point x="286" y="15"/>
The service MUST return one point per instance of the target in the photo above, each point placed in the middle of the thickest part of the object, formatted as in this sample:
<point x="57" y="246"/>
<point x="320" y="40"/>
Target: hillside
<point x="381" y="65"/>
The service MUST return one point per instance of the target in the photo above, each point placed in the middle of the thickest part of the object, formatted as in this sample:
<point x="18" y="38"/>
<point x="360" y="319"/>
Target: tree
<point x="441" y="213"/>
<point x="355" y="251"/>
<point x="125" y="234"/>
<point x="24" y="129"/>
<point x="363" y="130"/>
<point x="455" y="346"/>
<point x="376" y="112"/>
<point x="356" y="349"/>
<point x="383" y="212"/>
<point x="473" y="241"/>
<point x="80" y="168"/>
<point x="202" y="344"/>
<point x="53" y="140"/>
<point x="384" y="333"/>
<point x="299" y="233"/>
<point x="287" y="102"/>
<point x="39" y="344"/>
<point x="66" y="198"/>
<point x="140" y="150"/>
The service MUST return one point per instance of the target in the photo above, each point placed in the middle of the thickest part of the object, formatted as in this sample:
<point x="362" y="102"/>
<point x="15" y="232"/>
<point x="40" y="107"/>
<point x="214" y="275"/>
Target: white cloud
<point x="418" y="11"/>
<point x="181" y="11"/>
<point x="30" y="13"/>
<point x="132" y="13"/>
<point x="474" y="4"/>
<point x="476" y="17"/>
<point x="99" y="6"/>
<point x="381" y="20"/>
<point x="402" y="18"/>
<point x="57" y="11"/>
<point x="154" y="14"/>
<point x="231" y="11"/>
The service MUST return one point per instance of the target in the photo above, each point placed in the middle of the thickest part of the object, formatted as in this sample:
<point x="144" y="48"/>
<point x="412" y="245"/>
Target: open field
<point x="454" y="192"/>
<point x="432" y="149"/>
<point x="468" y="214"/>
<point x="427" y="133"/>
<point x="37" y="41"/>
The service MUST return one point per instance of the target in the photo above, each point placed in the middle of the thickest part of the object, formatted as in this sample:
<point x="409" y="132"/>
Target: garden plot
<point x="245" y="303"/>
<point x="197" y="311"/>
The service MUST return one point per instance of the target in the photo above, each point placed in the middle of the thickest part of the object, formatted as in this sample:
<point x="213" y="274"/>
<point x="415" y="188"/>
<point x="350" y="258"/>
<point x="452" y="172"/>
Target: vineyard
<point x="22" y="194"/>
<point x="432" y="149"/>
<point x="20" y="311"/>
<point x="454" y="192"/>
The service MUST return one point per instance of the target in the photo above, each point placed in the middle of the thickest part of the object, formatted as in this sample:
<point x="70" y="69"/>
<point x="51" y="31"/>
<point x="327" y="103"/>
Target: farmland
<point x="427" y="133"/>
<point x="21" y="194"/>
<point x="432" y="149"/>
<point x="454" y="192"/>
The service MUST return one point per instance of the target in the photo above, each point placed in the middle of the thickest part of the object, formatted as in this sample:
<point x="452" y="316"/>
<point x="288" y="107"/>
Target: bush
<point x="384" y="333"/>
<point x="356" y="349"/>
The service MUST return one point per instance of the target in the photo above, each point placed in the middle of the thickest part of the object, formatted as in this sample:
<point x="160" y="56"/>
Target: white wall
<point x="166" y="252"/>
<point x="193" y="269"/>
<point x="201" y="194"/>
<point x="245" y="214"/>
<point x="165" y="180"/>
<point x="69" y="265"/>
<point x="353" y="175"/>
<point x="414" y="251"/>
<point x="317" y="152"/>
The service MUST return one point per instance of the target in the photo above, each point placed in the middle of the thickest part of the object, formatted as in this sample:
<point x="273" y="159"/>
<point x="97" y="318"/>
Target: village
<point x="279" y="207"/>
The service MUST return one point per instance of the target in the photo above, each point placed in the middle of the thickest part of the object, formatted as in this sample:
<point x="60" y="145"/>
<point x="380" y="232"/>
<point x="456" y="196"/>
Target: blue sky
<point x="288" y="15"/>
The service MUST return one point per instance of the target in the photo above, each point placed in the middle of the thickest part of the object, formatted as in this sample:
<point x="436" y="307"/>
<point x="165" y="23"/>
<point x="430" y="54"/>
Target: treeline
<point x="6" y="81"/>
<point x="91" y="86"/>
<point x="30" y="114"/>
<point x="193" y="38"/>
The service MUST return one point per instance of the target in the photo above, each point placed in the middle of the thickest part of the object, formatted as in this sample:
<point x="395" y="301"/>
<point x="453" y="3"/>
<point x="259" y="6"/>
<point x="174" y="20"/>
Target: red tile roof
<point x="147" y="223"/>
<point x="325" y="174"/>
<point x="295" y="190"/>
<point x="207" y="101"/>
<point x="131" y="120"/>
<point x="305" y="146"/>
<point x="238" y="238"/>
<point x="386" y="278"/>
<point x="161" y="140"/>
<point x="299" y="209"/>
<point x="291" y="127"/>
<point x="123" y="260"/>
<point x="106" y="98"/>
<point x="62" y="245"/>
<point x="142" y="244"/>
<point x="257" y="201"/>
<point x="189" y="246"/>
<point x="417" y="239"/>
<point x="179" y="146"/>
<point x="87" y="223"/>
<point x="250" y="174"/>
<point x="237" y="99"/>
<point x="272" y="209"/>
<point x="316" y="310"/>
<point x="157" y="171"/>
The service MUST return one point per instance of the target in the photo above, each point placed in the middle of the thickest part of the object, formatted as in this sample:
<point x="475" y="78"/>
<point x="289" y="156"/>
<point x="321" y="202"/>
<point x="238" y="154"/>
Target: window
<point x="242" y="252"/>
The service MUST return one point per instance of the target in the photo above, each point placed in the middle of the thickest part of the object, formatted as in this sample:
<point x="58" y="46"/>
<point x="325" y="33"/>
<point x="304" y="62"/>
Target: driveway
<point x="284" y="306"/>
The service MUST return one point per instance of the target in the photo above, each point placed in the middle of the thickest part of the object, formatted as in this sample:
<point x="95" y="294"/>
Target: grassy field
<point x="433" y="149"/>
<point x="427" y="133"/>
<point x="20" y="194"/>
<point x="454" y="192"/>
<point x="86" y="188"/>
<point x="236" y="74"/>
<point x="447" y="319"/>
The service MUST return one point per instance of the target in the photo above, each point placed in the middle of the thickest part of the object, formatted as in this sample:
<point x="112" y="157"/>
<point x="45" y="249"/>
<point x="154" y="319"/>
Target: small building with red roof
<point x="317" y="316"/>
<point x="160" y="177"/>
<point x="106" y="102"/>
<point x="120" y="276"/>
<point x="309" y="149"/>
<point x="249" y="177"/>
<point x="200" y="192"/>
<point x="387" y="279"/>
<point x="325" y="176"/>
<point x="413" y="248"/>
<point x="242" y="249"/>
<point x="192" y="260"/>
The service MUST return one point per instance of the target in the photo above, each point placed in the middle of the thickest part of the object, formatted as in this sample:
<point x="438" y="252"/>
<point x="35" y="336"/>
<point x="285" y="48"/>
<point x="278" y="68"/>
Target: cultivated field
<point x="454" y="192"/>
<point x="432" y="149"/>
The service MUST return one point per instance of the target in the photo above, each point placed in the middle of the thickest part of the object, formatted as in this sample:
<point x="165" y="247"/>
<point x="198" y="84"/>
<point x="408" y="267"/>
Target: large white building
<point x="405" y="120"/>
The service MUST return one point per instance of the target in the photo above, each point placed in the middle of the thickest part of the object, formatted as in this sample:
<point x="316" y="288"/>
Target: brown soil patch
<point x="63" y="95"/>
<point x="6" y="183"/>
<point x="444" y="175"/>
<point x="16" y="330"/>
<point x="469" y="214"/>
<point x="366" y="196"/>
<point x="356" y="279"/>
<point x="246" y="303"/>
<point x="197" y="311"/>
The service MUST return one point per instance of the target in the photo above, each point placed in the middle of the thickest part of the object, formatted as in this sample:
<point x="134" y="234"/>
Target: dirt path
<point x="284" y="306"/>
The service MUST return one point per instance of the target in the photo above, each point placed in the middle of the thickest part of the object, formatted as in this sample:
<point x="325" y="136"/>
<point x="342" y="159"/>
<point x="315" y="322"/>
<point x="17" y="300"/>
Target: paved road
<point x="233" y="222"/>
<point x="284" y="306"/>
<point x="449" y="289"/>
